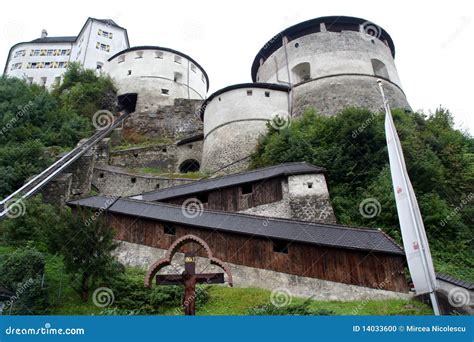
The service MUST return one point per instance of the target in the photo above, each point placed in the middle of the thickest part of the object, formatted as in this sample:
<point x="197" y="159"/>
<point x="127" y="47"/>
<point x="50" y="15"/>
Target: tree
<point x="22" y="273"/>
<point x="86" y="245"/>
<point x="352" y="147"/>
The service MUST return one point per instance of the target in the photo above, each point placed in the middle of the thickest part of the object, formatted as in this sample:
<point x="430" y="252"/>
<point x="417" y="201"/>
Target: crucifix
<point x="189" y="279"/>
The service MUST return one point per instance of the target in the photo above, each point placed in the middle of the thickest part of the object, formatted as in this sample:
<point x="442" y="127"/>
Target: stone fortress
<point x="282" y="214"/>
<point x="327" y="63"/>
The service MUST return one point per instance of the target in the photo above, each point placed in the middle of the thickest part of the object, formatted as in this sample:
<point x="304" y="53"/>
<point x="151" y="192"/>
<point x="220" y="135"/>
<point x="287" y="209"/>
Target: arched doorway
<point x="189" y="165"/>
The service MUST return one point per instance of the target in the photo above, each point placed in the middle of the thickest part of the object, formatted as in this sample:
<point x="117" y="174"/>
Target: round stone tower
<point x="166" y="87"/>
<point x="234" y="118"/>
<point x="157" y="75"/>
<point x="332" y="63"/>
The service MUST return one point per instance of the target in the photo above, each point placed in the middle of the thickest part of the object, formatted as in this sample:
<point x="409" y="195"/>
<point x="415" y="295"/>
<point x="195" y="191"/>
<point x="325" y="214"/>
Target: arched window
<point x="379" y="68"/>
<point x="189" y="165"/>
<point x="301" y="72"/>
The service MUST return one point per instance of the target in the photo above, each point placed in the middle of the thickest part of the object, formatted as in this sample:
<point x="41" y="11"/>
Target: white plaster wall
<point x="83" y="50"/>
<point x="328" y="53"/>
<point x="298" y="185"/>
<point x="233" y="122"/>
<point x="37" y="74"/>
<point x="89" y="54"/>
<point x="150" y="74"/>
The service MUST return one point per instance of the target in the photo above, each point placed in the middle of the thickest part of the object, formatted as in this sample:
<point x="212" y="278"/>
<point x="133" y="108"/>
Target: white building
<point x="44" y="60"/>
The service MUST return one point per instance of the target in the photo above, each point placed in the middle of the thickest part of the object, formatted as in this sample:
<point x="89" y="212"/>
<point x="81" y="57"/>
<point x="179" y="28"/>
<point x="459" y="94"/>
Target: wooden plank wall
<point x="370" y="269"/>
<point x="231" y="199"/>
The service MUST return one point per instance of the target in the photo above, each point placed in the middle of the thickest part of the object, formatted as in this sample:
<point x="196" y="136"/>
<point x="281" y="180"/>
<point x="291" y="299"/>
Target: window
<point x="20" y="53"/>
<point x="121" y="59"/>
<point x="189" y="165"/>
<point x="169" y="229"/>
<point x="57" y="80"/>
<point x="164" y="150"/>
<point x="129" y="72"/>
<point x="379" y="68"/>
<point x="159" y="54"/>
<point x="16" y="66"/>
<point x="99" y="65"/>
<point x="301" y="72"/>
<point x="310" y="185"/>
<point x="133" y="180"/>
<point x="267" y="94"/>
<point x="157" y="186"/>
<point x="165" y="91"/>
<point x="43" y="81"/>
<point x="178" y="77"/>
<point x="48" y="65"/>
<point x="280" y="246"/>
<point x="30" y="80"/>
<point x="105" y="34"/>
<point x="101" y="175"/>
<point x="249" y="93"/>
<point x="102" y="47"/>
<point x="35" y="53"/>
<point x="247" y="189"/>
<point x="297" y="45"/>
<point x="193" y="67"/>
<point x="203" y="198"/>
<point x="65" y="52"/>
<point x="220" y="98"/>
<point x="139" y="55"/>
<point x="177" y="59"/>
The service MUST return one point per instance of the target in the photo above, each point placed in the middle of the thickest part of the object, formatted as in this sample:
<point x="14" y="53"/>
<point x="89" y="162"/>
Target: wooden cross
<point x="189" y="279"/>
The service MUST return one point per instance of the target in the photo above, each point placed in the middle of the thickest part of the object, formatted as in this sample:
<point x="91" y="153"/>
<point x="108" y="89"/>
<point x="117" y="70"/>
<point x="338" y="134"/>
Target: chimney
<point x="44" y="33"/>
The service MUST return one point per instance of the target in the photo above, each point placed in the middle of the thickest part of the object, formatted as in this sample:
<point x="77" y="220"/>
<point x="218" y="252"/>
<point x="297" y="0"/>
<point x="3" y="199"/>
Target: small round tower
<point x="234" y="118"/>
<point x="157" y="75"/>
<point x="332" y="63"/>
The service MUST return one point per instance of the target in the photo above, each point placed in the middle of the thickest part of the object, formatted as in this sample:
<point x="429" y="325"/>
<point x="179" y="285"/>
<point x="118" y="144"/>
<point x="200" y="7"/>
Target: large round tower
<point x="332" y="63"/>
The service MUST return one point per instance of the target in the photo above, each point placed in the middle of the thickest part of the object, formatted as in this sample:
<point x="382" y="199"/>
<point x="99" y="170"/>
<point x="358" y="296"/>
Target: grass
<point x="237" y="301"/>
<point x="222" y="300"/>
<point x="145" y="142"/>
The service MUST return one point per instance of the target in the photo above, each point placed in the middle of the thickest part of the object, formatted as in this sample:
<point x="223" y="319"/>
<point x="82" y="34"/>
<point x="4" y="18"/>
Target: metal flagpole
<point x="417" y="225"/>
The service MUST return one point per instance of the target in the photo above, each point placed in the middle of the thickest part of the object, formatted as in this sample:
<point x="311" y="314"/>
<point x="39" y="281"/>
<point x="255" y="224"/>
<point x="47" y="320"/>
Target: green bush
<point x="22" y="273"/>
<point x="131" y="295"/>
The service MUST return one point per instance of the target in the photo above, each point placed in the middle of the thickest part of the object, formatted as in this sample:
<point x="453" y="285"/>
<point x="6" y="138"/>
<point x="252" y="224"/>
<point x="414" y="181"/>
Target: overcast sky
<point x="433" y="39"/>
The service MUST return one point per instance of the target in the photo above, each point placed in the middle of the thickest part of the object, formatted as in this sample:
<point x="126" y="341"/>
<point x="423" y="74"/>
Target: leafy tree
<point x="352" y="147"/>
<point x="86" y="249"/>
<point x="22" y="273"/>
<point x="33" y="227"/>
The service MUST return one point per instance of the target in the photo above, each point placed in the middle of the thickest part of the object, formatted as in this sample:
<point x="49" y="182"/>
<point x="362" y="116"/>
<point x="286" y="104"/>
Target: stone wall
<point x="299" y="201"/>
<point x="81" y="171"/>
<point x="165" y="157"/>
<point x="112" y="181"/>
<point x="174" y="121"/>
<point x="131" y="254"/>
<point x="331" y="95"/>
<point x="58" y="191"/>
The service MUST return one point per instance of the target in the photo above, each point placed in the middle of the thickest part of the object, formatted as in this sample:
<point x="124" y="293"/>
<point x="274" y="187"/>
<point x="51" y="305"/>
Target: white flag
<point x="414" y="237"/>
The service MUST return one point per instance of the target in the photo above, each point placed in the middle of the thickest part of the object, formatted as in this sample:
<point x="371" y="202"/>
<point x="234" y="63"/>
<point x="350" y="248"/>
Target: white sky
<point x="433" y="39"/>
